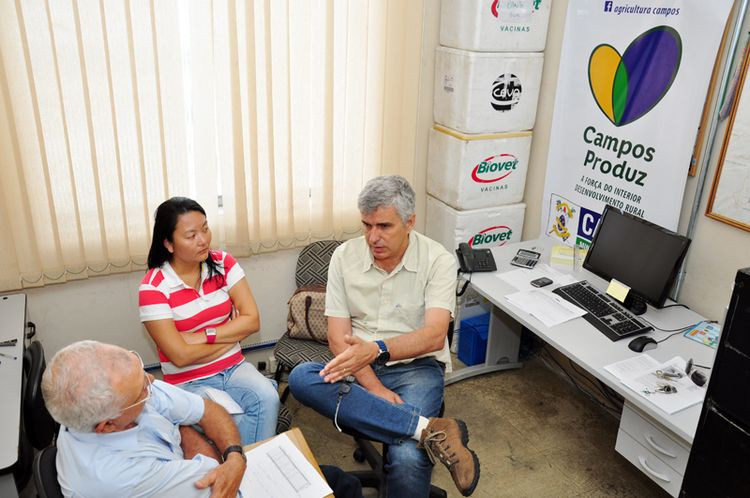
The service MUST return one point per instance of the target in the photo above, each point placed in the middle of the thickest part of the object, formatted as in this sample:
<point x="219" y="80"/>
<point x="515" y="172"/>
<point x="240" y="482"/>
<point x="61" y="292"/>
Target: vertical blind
<point x="270" y="113"/>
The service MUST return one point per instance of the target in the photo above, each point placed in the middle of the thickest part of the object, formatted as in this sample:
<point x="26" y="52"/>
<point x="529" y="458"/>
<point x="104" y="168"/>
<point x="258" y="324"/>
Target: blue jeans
<point x="419" y="383"/>
<point x="257" y="395"/>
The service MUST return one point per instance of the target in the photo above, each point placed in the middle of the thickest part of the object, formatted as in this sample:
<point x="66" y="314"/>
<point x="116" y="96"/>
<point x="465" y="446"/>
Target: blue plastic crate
<point x="472" y="339"/>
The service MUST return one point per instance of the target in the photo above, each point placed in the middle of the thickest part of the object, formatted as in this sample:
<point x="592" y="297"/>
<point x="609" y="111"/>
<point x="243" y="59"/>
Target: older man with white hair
<point x="125" y="434"/>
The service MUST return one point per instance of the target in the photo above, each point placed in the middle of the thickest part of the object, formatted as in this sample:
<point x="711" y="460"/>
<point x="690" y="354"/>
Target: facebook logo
<point x="587" y="223"/>
<point x="608" y="6"/>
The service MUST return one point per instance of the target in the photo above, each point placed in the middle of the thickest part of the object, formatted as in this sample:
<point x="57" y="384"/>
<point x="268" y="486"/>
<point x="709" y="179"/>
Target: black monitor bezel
<point x="672" y="274"/>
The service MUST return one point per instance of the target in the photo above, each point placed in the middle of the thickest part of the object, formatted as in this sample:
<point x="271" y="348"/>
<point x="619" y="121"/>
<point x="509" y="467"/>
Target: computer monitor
<point x="638" y="253"/>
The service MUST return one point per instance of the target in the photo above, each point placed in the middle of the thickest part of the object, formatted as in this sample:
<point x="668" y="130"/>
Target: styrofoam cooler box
<point x="476" y="171"/>
<point x="495" y="25"/>
<point x="486" y="227"/>
<point x="486" y="92"/>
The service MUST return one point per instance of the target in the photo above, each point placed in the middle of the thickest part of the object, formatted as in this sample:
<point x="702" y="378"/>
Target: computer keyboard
<point x="603" y="312"/>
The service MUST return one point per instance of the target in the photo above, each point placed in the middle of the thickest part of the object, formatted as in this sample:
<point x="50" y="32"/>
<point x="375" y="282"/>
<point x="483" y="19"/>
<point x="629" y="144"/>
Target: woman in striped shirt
<point x="197" y="306"/>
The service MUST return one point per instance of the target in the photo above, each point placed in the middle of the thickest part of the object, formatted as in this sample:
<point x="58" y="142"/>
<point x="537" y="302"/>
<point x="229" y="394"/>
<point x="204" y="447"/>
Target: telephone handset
<point x="474" y="260"/>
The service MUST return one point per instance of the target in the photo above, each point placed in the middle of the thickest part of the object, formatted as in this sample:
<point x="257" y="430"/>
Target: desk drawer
<point x="648" y="463"/>
<point x="655" y="439"/>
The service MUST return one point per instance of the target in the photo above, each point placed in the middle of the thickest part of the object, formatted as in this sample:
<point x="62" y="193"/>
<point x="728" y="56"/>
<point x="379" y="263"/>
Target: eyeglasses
<point x="146" y="385"/>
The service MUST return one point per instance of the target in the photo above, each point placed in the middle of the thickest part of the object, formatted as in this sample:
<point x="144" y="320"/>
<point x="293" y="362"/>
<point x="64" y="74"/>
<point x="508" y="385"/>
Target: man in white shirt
<point x="389" y="301"/>
<point x="125" y="434"/>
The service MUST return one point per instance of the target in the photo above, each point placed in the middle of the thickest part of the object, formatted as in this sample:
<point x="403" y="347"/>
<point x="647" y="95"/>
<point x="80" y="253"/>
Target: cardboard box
<point x="477" y="171"/>
<point x="495" y="25"/>
<point x="486" y="92"/>
<point x="486" y="227"/>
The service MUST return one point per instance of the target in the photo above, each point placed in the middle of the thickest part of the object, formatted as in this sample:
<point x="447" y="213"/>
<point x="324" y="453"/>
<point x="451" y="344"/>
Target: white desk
<point x="660" y="434"/>
<point x="12" y="326"/>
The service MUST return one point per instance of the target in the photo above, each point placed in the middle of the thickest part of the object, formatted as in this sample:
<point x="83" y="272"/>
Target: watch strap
<point x="235" y="448"/>
<point x="381" y="345"/>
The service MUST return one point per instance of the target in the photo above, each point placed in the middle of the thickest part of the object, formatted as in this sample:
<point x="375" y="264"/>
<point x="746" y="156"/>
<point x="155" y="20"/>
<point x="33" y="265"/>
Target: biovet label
<point x="515" y="15"/>
<point x="492" y="236"/>
<point x="488" y="174"/>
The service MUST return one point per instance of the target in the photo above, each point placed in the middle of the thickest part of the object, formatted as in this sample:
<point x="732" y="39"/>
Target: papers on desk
<point x="548" y="308"/>
<point x="278" y="469"/>
<point x="664" y="384"/>
<point x="520" y="278"/>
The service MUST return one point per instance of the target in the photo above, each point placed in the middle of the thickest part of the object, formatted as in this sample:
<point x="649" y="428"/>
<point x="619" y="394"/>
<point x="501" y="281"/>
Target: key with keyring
<point x="669" y="374"/>
<point x="667" y="389"/>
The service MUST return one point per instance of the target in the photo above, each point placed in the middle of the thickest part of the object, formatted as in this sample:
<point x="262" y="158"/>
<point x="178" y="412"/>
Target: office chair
<point x="38" y="424"/>
<point x="312" y="268"/>
<point x="38" y="429"/>
<point x="366" y="452"/>
<point x="22" y="468"/>
<point x="284" y="421"/>
<point x="45" y="474"/>
<point x="375" y="477"/>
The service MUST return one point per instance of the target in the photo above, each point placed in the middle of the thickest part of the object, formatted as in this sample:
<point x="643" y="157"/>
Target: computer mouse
<point x="642" y="343"/>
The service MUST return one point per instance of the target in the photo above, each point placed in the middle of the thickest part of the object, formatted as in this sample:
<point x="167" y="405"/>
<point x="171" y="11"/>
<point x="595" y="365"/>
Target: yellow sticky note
<point x="561" y="257"/>
<point x="618" y="290"/>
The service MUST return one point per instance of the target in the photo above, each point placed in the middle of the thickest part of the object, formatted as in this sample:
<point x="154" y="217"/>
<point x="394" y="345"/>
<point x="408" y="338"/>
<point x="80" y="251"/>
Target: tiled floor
<point x="535" y="434"/>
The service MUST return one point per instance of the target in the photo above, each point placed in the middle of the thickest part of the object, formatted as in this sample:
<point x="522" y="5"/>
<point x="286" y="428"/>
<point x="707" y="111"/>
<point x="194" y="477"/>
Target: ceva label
<point x="499" y="235"/>
<point x="494" y="168"/>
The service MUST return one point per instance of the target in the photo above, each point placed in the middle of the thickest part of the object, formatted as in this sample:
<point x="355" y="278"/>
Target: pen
<point x="8" y="356"/>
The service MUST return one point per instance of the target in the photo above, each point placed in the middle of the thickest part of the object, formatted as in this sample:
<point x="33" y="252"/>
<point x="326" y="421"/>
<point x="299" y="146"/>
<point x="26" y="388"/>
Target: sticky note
<point x="561" y="257"/>
<point x="618" y="290"/>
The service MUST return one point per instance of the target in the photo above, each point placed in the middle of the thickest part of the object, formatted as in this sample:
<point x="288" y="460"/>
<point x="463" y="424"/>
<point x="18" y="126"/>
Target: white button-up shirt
<point x="383" y="305"/>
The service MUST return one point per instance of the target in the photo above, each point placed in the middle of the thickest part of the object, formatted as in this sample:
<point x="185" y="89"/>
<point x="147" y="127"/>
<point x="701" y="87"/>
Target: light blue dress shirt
<point x="145" y="460"/>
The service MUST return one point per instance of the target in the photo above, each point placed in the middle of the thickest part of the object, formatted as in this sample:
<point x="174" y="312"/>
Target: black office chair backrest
<point x="45" y="474"/>
<point x="312" y="263"/>
<point x="38" y="424"/>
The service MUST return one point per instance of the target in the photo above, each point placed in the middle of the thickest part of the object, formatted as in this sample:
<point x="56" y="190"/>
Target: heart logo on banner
<point x="627" y="87"/>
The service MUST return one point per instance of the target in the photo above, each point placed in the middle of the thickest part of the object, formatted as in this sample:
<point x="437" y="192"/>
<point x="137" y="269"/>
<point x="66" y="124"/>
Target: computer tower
<point x="719" y="463"/>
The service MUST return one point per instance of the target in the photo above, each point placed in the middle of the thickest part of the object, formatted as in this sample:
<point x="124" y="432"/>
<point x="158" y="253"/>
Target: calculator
<point x="526" y="258"/>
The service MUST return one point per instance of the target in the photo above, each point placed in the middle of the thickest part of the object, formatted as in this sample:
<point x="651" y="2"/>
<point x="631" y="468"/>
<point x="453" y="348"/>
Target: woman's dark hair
<point x="165" y="222"/>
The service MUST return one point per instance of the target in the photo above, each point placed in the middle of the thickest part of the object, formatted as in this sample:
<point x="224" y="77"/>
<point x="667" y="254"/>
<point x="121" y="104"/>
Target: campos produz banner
<point x="631" y="87"/>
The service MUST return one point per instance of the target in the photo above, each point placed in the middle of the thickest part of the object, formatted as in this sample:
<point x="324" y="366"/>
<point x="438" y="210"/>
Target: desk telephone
<point x="474" y="260"/>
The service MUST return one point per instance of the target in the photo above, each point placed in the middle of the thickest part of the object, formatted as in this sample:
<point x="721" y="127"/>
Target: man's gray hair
<point x="78" y="384"/>
<point x="386" y="191"/>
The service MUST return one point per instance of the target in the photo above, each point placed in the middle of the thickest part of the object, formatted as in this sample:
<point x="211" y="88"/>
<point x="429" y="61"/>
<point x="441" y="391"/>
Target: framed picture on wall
<point x="729" y="200"/>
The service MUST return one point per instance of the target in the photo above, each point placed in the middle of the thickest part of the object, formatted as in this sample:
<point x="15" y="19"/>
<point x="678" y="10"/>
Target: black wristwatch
<point x="235" y="448"/>
<point x="383" y="355"/>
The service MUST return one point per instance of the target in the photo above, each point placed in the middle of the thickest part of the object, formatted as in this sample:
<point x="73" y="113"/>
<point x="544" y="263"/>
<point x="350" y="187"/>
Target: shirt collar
<point x="122" y="440"/>
<point x="175" y="282"/>
<point x="409" y="260"/>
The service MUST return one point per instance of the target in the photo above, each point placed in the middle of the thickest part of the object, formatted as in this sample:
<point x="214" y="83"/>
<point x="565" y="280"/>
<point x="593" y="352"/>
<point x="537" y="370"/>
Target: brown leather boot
<point x="446" y="440"/>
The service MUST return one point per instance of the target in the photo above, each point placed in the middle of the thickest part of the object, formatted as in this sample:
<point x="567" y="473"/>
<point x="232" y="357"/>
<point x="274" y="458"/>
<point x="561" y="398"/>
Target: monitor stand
<point x="635" y="304"/>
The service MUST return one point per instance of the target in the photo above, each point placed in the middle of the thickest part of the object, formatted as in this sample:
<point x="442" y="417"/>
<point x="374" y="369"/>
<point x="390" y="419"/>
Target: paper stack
<point x="664" y="384"/>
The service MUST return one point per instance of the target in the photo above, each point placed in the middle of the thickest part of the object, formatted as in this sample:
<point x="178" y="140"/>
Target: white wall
<point x="106" y="308"/>
<point x="717" y="251"/>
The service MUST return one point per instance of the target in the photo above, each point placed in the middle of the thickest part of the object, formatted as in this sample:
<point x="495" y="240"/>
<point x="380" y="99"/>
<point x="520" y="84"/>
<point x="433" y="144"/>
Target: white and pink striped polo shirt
<point x="162" y="294"/>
